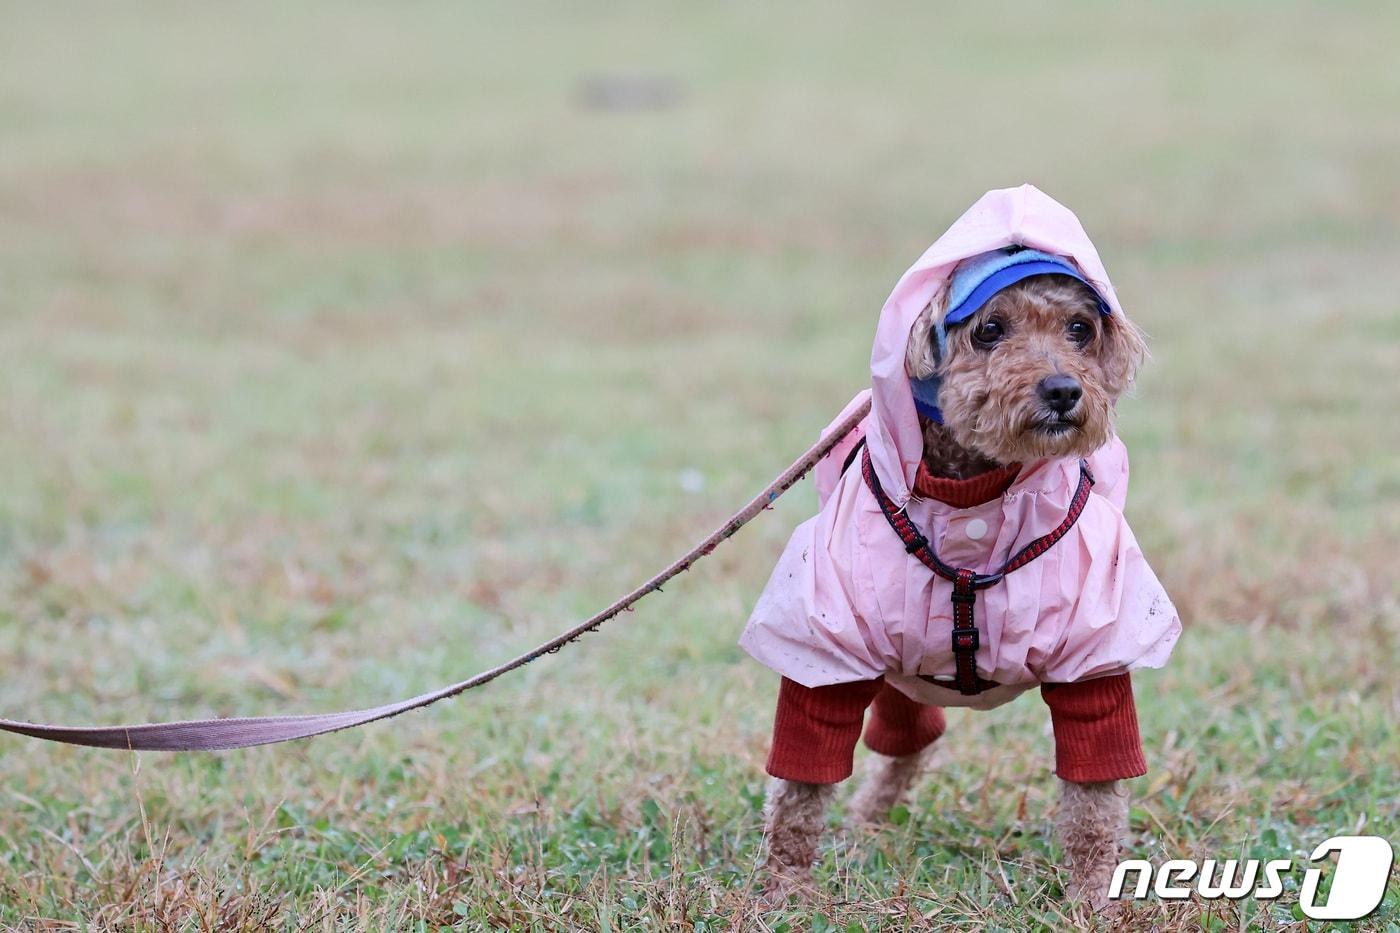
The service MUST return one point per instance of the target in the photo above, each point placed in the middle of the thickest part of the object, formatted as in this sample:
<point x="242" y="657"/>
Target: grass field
<point x="347" y="350"/>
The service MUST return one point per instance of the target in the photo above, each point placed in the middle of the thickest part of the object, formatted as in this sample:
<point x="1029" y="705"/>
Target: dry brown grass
<point x="344" y="353"/>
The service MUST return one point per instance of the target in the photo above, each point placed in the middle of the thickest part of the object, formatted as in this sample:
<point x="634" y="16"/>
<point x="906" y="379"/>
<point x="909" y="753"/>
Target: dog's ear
<point x="921" y="355"/>
<point x="1121" y="351"/>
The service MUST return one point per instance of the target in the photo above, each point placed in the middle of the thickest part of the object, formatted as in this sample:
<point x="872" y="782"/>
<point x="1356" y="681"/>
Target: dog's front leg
<point x="1092" y="818"/>
<point x="795" y="816"/>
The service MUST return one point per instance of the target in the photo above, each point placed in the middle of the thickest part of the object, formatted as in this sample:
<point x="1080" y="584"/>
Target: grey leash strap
<point x="215" y="734"/>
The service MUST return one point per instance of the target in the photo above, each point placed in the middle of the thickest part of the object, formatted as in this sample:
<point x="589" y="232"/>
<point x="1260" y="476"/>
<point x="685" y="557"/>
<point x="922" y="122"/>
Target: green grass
<point x="346" y="353"/>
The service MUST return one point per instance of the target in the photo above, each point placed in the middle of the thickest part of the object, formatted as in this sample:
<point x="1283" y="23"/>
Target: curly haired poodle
<point x="1015" y="364"/>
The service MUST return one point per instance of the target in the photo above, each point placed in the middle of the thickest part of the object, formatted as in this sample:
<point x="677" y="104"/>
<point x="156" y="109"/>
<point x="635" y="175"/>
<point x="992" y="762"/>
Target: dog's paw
<point x="870" y="807"/>
<point x="1092" y="897"/>
<point x="864" y="818"/>
<point x="782" y="889"/>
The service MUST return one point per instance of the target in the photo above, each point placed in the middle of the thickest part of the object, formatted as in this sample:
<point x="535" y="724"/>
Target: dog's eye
<point x="988" y="333"/>
<point x="1080" y="332"/>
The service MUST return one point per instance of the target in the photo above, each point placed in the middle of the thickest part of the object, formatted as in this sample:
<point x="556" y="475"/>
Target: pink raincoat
<point x="847" y="603"/>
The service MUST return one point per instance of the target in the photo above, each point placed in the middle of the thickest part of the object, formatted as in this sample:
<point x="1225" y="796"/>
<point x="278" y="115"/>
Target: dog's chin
<point x="1049" y="437"/>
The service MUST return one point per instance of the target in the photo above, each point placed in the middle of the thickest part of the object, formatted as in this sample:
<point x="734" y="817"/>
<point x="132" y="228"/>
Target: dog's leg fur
<point x="1091" y="820"/>
<point x="887" y="780"/>
<point x="795" y="816"/>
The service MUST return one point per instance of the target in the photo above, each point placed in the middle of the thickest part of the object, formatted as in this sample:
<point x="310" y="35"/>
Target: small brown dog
<point x="1026" y="380"/>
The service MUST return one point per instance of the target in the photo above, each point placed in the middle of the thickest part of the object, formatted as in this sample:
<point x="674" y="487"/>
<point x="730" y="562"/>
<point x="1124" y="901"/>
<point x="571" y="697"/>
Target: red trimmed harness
<point x="966" y="582"/>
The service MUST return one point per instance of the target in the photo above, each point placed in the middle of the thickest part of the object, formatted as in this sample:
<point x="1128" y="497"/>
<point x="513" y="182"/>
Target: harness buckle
<point x="966" y="639"/>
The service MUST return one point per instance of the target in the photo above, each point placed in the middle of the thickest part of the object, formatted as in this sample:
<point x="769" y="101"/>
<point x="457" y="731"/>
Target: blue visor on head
<point x="977" y="279"/>
<point x="973" y="284"/>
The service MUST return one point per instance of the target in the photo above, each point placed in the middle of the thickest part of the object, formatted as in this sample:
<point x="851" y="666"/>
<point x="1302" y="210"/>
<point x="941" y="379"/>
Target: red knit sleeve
<point x="816" y="729"/>
<point x="1096" y="730"/>
<point x="899" y="726"/>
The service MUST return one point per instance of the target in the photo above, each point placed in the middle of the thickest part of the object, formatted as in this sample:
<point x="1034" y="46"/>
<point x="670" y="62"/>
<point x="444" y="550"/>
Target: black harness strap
<point x="966" y="583"/>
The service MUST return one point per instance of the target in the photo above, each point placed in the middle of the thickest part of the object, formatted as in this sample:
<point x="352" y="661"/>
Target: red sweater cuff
<point x="816" y="729"/>
<point x="1096" y="730"/>
<point x="899" y="726"/>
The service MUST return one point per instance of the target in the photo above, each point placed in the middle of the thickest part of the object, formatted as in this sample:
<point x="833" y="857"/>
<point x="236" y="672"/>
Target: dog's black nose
<point x="1060" y="392"/>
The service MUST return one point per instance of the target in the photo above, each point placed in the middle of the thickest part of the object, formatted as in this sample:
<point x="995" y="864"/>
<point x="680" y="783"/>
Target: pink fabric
<point x="847" y="603"/>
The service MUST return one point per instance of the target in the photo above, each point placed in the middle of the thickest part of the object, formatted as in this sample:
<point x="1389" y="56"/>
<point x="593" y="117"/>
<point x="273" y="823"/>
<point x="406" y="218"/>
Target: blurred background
<point x="350" y="348"/>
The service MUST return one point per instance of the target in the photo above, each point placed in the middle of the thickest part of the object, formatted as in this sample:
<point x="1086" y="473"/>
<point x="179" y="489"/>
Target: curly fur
<point x="944" y="456"/>
<point x="991" y="407"/>
<point x="794" y="817"/>
<point x="993" y="414"/>
<point x="887" y="780"/>
<point x="1091" y="820"/>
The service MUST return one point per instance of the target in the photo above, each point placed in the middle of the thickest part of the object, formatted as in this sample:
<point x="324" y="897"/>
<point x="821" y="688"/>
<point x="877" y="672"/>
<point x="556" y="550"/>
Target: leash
<point x="966" y="583"/>
<point x="207" y="735"/>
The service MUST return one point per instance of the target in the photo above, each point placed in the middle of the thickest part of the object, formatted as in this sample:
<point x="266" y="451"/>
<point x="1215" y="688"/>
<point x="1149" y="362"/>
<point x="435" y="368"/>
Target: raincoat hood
<point x="1024" y="216"/>
<point x="847" y="602"/>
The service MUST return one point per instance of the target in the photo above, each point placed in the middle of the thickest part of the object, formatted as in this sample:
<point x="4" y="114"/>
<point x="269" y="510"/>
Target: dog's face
<point x="1034" y="373"/>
